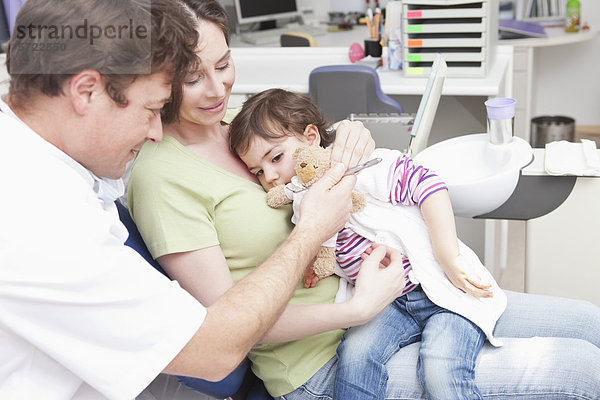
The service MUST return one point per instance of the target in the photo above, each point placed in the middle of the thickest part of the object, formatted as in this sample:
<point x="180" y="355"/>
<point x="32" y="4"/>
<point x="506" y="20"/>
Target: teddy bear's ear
<point x="297" y="152"/>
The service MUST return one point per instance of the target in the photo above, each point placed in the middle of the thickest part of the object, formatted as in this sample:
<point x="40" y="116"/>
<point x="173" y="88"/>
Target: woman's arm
<point x="204" y="274"/>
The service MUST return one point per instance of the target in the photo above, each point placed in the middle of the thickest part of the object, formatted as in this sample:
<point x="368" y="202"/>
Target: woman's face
<point x="206" y="92"/>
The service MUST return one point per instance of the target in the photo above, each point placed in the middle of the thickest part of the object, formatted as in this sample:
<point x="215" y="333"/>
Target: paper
<point x="568" y="158"/>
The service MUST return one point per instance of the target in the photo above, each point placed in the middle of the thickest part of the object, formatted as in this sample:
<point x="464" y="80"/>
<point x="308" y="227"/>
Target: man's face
<point x="120" y="132"/>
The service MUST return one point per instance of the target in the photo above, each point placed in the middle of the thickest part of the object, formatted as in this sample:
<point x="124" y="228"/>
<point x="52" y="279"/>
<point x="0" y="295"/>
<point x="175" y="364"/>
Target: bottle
<point x="572" y="23"/>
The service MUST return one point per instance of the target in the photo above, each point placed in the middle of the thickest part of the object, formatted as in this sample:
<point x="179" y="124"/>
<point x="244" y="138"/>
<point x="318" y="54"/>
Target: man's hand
<point x="353" y="144"/>
<point x="380" y="280"/>
<point x="327" y="204"/>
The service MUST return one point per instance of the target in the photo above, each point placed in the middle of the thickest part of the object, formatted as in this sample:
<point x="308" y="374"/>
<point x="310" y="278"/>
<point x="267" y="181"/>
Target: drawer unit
<point x="461" y="30"/>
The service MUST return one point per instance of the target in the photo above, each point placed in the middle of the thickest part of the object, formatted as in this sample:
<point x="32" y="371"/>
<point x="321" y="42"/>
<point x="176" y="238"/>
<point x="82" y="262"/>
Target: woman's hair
<point x="204" y="10"/>
<point x="275" y="113"/>
<point x="120" y="39"/>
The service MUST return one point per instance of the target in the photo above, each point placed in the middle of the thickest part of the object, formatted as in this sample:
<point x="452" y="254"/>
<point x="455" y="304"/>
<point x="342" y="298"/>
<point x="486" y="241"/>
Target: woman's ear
<point x="83" y="88"/>
<point x="311" y="133"/>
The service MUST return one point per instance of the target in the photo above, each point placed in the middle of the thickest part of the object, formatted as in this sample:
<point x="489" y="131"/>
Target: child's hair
<point x="275" y="113"/>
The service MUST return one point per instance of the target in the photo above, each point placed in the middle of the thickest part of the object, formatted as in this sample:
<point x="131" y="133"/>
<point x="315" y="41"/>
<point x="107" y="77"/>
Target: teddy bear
<point x="311" y="164"/>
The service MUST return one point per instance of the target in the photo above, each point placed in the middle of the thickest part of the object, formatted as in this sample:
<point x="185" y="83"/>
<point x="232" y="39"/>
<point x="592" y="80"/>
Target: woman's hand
<point x="353" y="144"/>
<point x="380" y="280"/>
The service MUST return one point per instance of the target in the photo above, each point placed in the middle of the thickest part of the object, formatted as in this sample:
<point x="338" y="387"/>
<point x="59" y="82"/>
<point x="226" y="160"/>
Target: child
<point x="445" y="304"/>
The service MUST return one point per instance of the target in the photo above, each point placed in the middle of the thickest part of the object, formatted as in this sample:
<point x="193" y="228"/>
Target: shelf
<point x="556" y="37"/>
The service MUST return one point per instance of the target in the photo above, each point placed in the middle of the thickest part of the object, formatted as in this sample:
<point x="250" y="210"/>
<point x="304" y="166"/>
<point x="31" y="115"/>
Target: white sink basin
<point x="480" y="176"/>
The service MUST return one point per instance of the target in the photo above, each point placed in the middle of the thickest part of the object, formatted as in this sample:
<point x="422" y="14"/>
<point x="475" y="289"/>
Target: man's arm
<point x="237" y="320"/>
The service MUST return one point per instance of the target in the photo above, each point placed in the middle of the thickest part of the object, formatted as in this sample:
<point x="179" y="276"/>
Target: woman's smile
<point x="215" y="107"/>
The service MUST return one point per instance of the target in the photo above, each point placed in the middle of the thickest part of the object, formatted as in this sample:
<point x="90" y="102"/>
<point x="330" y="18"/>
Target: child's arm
<point x="438" y="215"/>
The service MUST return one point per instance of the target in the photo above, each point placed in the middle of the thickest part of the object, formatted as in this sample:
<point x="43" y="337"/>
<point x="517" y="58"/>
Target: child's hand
<point x="466" y="280"/>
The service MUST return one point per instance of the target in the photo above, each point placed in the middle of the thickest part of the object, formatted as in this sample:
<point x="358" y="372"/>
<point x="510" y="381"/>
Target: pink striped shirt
<point x="407" y="184"/>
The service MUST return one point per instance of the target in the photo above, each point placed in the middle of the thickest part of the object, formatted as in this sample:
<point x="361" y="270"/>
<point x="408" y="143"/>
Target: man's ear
<point x="311" y="133"/>
<point x="83" y="88"/>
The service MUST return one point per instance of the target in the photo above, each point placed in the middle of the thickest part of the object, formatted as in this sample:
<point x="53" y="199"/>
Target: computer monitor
<point x="427" y="107"/>
<point x="4" y="24"/>
<point x="265" y="11"/>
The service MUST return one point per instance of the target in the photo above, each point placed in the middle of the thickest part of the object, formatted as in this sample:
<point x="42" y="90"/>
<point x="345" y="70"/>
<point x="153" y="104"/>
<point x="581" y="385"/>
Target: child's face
<point x="272" y="160"/>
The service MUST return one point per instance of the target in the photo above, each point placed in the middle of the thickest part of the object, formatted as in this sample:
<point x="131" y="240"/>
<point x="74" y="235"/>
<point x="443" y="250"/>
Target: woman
<point x="203" y="215"/>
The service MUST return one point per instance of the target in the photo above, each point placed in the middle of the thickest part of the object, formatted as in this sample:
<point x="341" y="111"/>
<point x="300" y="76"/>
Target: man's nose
<point x="155" y="132"/>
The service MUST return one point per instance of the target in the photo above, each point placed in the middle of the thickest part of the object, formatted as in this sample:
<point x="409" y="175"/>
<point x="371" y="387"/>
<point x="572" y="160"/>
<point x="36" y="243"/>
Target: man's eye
<point x="258" y="173"/>
<point x="276" y="158"/>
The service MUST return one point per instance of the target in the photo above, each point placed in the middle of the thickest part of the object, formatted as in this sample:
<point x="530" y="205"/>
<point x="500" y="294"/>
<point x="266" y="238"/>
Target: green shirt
<point x="182" y="202"/>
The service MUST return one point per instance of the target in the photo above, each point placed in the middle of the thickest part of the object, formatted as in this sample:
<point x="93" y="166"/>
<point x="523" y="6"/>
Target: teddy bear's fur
<point x="311" y="164"/>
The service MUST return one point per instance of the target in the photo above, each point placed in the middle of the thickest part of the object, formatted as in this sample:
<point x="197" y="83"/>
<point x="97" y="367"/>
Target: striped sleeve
<point x="411" y="184"/>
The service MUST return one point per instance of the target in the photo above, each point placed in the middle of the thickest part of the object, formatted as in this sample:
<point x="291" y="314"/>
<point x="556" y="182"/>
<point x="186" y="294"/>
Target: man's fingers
<point x="375" y="257"/>
<point x="331" y="177"/>
<point x="353" y="144"/>
<point x="363" y="149"/>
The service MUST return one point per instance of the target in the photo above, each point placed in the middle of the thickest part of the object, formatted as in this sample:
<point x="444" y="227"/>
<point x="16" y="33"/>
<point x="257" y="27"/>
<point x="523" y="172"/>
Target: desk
<point x="329" y="39"/>
<point x="260" y="68"/>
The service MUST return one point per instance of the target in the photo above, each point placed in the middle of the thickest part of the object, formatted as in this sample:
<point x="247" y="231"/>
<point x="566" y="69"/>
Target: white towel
<point x="567" y="158"/>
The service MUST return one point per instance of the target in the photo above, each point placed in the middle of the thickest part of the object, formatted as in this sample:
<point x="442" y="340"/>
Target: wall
<point x="574" y="68"/>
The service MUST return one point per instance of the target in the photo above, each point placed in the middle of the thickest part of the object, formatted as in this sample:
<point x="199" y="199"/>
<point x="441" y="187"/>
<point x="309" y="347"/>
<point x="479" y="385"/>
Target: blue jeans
<point x="551" y="351"/>
<point x="446" y="365"/>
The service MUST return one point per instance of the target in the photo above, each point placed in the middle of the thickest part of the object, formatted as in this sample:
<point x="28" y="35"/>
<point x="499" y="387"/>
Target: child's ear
<point x="311" y="133"/>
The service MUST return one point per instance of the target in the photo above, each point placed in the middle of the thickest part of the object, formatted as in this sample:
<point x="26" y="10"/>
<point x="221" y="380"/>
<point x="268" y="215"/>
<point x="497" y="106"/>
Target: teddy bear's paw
<point x="325" y="263"/>
<point x="358" y="202"/>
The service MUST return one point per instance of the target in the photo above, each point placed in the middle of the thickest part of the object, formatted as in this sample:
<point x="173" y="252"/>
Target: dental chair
<point x="352" y="91"/>
<point x="339" y="90"/>
<point x="239" y="384"/>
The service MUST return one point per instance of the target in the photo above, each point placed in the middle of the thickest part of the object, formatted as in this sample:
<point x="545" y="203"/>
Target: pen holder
<point x="372" y="48"/>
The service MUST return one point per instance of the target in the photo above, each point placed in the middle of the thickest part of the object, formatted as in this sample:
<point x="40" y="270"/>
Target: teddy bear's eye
<point x="316" y="166"/>
<point x="303" y="165"/>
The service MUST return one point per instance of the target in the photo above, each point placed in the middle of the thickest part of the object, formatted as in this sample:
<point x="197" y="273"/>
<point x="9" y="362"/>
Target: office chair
<point x="296" y="39"/>
<point x="230" y="386"/>
<point x="339" y="90"/>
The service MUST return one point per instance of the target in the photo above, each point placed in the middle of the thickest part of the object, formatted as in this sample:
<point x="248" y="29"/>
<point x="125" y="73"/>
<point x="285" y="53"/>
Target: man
<point x="83" y="316"/>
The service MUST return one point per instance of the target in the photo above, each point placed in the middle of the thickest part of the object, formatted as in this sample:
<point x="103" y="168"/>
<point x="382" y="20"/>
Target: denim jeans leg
<point x="449" y="347"/>
<point x="364" y="350"/>
<point x="318" y="387"/>
<point x="529" y="315"/>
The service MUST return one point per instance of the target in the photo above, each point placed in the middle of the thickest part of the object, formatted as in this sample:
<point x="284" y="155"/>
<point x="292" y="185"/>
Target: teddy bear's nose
<point x="303" y="165"/>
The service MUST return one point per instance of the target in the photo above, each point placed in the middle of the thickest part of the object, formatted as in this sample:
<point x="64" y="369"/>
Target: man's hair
<point x="165" y="41"/>
<point x="275" y="113"/>
<point x="208" y="11"/>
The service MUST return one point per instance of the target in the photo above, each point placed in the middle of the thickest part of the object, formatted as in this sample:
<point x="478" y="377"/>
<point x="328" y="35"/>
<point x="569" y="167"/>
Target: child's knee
<point x="444" y="378"/>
